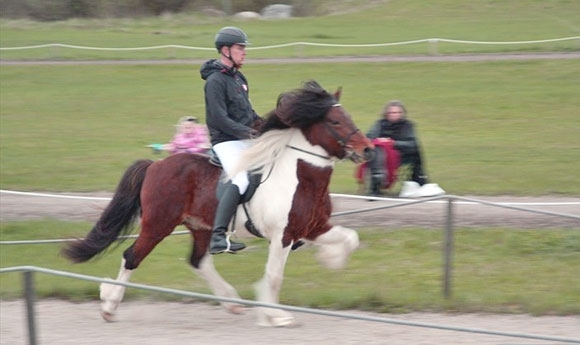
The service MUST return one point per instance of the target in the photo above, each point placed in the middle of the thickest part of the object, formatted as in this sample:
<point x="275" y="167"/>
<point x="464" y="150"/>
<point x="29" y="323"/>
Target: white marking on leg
<point x="112" y="294"/>
<point x="335" y="246"/>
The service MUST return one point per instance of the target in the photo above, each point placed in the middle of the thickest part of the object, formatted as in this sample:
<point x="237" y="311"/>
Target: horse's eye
<point x="334" y="122"/>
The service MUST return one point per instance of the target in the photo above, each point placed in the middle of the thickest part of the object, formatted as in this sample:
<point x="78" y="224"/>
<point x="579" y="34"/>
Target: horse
<point x="299" y="143"/>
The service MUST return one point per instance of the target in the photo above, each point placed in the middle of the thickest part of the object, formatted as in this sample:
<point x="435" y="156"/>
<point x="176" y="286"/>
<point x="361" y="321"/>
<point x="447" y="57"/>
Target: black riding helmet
<point x="230" y="35"/>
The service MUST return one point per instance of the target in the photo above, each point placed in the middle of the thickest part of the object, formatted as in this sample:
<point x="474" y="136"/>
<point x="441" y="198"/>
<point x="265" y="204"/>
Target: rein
<point x="310" y="153"/>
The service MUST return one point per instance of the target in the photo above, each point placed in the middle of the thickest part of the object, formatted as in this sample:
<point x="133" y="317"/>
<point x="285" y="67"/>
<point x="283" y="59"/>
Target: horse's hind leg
<point x="335" y="246"/>
<point x="112" y="294"/>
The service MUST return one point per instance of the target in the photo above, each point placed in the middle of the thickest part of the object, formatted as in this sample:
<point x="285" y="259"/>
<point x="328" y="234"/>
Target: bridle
<point x="339" y="139"/>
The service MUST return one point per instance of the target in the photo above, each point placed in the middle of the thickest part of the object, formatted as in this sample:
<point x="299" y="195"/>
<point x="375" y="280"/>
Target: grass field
<point x="488" y="128"/>
<point x="495" y="270"/>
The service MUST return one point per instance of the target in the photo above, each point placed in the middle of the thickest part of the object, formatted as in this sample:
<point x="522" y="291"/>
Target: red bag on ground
<point x="392" y="163"/>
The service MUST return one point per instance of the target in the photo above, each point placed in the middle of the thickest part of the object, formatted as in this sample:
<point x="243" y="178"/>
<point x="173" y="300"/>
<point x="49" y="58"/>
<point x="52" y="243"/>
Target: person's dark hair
<point x="230" y="35"/>
<point x="394" y="103"/>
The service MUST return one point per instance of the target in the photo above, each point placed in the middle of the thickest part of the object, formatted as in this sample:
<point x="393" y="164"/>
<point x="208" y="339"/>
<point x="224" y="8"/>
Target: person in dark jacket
<point x="395" y="126"/>
<point x="231" y="121"/>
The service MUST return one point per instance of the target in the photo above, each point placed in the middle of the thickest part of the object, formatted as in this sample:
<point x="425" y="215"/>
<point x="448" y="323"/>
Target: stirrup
<point x="228" y="248"/>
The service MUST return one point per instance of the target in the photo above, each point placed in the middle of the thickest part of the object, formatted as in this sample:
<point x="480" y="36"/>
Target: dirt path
<point x="333" y="59"/>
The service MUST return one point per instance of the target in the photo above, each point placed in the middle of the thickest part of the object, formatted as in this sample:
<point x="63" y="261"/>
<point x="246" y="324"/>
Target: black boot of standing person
<point x="228" y="203"/>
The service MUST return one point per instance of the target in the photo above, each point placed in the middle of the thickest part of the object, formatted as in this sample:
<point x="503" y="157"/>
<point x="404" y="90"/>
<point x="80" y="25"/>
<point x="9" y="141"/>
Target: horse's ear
<point x="337" y="93"/>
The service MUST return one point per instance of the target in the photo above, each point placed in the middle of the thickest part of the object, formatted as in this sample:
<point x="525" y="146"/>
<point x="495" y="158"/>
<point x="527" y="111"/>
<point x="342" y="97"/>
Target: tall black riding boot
<point x="228" y="204"/>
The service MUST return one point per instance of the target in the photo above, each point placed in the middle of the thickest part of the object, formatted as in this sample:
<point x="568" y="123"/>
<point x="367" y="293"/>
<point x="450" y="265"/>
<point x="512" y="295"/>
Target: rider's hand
<point x="254" y="134"/>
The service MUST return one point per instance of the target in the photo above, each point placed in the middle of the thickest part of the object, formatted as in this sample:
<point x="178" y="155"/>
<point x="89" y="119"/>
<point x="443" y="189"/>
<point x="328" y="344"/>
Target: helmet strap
<point x="229" y="57"/>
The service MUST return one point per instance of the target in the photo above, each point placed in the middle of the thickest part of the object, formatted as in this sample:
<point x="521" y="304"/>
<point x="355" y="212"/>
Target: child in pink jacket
<point x="190" y="137"/>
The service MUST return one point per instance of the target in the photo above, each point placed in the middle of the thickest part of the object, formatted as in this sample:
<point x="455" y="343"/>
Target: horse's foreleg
<point x="112" y="294"/>
<point x="268" y="288"/>
<point x="335" y="246"/>
<point x="202" y="264"/>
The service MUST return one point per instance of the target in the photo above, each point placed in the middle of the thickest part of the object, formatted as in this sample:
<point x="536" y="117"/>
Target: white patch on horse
<point x="270" y="206"/>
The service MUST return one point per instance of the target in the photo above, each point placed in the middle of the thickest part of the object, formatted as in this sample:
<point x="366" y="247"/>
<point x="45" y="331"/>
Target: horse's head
<point x="323" y="121"/>
<point x="340" y="137"/>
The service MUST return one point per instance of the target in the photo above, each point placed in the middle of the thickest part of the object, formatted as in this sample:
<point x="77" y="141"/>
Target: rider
<point x="231" y="120"/>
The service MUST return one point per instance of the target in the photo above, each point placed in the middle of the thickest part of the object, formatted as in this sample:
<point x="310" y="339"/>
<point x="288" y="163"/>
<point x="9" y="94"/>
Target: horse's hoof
<point x="285" y="322"/>
<point x="109" y="317"/>
<point x="236" y="309"/>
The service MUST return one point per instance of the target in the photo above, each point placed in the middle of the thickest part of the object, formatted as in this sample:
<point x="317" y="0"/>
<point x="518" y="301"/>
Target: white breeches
<point x="229" y="152"/>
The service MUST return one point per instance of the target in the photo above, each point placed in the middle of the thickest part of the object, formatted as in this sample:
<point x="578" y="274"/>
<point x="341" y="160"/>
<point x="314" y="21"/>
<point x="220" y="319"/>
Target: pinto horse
<point x="298" y="145"/>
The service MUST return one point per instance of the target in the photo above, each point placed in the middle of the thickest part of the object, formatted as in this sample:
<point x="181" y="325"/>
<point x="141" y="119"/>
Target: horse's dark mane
<point x="299" y="108"/>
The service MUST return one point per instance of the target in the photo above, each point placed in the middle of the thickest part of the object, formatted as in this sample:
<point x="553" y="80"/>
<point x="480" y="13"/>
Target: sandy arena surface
<point x="61" y="322"/>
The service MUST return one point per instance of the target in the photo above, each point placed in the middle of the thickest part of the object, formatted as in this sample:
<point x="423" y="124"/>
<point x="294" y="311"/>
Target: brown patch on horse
<point x="311" y="206"/>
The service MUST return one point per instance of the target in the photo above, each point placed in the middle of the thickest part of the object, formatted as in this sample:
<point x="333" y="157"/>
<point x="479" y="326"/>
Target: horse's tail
<point x="116" y="220"/>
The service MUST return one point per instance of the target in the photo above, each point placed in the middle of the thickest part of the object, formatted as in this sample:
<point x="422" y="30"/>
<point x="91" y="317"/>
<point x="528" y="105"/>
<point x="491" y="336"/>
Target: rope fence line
<point x="292" y="44"/>
<point x="330" y="313"/>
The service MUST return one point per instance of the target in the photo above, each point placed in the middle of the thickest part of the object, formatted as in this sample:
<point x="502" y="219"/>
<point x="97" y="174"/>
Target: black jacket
<point x="228" y="112"/>
<point x="402" y="132"/>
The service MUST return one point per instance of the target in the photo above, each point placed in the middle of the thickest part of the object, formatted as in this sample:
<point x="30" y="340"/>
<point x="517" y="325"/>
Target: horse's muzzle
<point x="367" y="154"/>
